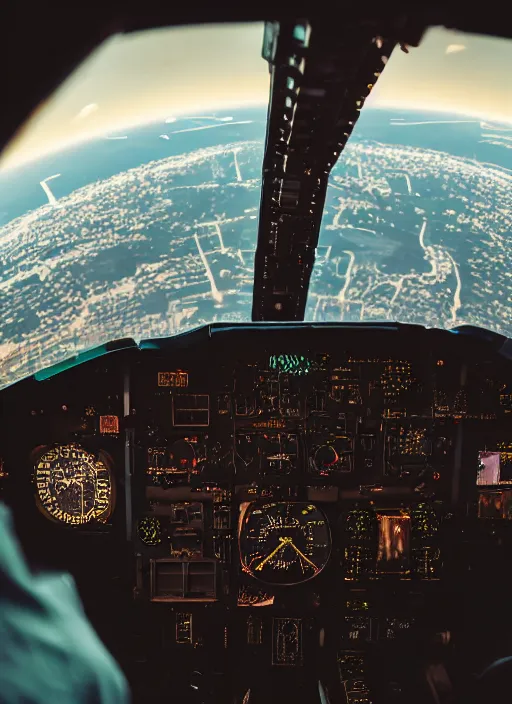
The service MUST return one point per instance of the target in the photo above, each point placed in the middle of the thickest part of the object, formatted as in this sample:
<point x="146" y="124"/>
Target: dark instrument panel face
<point x="73" y="485"/>
<point x="283" y="542"/>
<point x="257" y="493"/>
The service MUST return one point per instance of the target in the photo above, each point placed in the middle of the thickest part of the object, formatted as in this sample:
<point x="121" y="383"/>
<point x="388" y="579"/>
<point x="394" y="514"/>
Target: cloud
<point x="455" y="48"/>
<point x="86" y="111"/>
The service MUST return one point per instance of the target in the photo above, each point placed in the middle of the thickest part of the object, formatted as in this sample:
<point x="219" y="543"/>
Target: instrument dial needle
<point x="282" y="543"/>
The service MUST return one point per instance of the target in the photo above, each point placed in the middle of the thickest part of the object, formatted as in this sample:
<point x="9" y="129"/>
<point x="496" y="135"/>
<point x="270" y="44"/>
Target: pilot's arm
<point x="49" y="652"/>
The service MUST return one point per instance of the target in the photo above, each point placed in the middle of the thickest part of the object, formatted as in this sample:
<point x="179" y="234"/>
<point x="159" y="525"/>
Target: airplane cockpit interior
<point x="255" y="366"/>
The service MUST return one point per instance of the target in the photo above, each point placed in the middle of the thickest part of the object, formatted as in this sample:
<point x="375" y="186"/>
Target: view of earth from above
<point x="151" y="231"/>
<point x="156" y="233"/>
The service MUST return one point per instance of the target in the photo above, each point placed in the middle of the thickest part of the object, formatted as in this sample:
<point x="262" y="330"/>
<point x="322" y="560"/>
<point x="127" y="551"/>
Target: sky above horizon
<point x="164" y="73"/>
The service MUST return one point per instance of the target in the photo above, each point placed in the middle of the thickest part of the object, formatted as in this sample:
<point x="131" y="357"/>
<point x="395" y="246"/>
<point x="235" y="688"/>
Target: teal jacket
<point x="49" y="652"/>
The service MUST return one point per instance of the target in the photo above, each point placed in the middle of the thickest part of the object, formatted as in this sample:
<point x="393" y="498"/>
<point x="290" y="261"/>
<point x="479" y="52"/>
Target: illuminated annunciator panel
<point x="109" y="425"/>
<point x="177" y="379"/>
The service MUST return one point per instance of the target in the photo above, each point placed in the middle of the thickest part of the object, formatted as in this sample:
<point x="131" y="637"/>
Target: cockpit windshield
<point x="417" y="220"/>
<point x="129" y="204"/>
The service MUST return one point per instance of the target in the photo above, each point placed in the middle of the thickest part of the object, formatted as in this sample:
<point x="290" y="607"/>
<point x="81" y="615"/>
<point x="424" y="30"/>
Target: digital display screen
<point x="495" y="504"/>
<point x="295" y="364"/>
<point x="488" y="468"/>
<point x="394" y="544"/>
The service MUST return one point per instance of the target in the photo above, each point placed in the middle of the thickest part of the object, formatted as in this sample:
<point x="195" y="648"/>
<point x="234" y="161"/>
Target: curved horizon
<point x="81" y="271"/>
<point x="388" y="106"/>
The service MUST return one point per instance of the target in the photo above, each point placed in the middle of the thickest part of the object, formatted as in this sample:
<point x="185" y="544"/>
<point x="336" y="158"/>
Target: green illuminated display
<point x="149" y="530"/>
<point x="290" y="363"/>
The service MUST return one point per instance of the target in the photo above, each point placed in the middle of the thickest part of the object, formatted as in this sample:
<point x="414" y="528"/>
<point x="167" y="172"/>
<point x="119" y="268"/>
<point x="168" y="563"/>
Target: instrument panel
<point x="283" y="542"/>
<point x="270" y="493"/>
<point x="73" y="486"/>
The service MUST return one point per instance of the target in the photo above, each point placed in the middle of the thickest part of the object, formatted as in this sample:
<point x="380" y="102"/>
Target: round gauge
<point x="325" y="459"/>
<point x="149" y="530"/>
<point x="73" y="486"/>
<point x="183" y="456"/>
<point x="283" y="543"/>
<point x="333" y="455"/>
